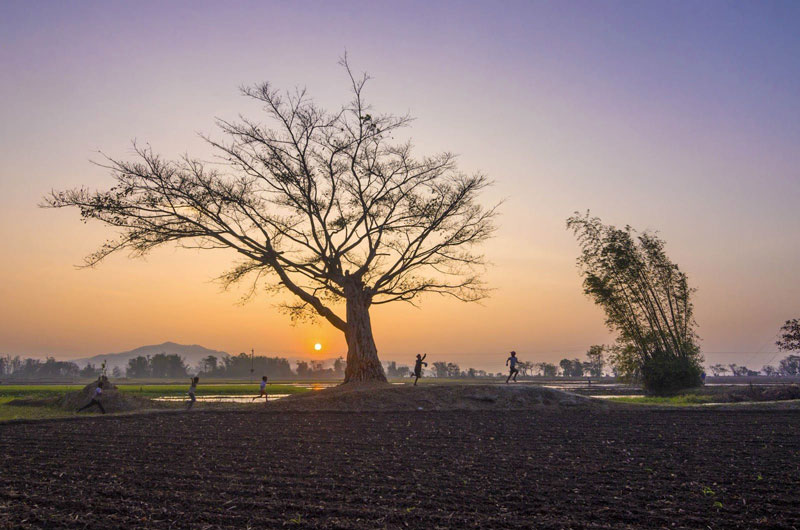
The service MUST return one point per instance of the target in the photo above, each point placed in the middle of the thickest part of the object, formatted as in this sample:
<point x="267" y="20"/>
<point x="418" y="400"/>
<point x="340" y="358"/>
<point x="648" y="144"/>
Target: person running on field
<point x="511" y="362"/>
<point x="98" y="392"/>
<point x="192" y="392"/>
<point x="418" y="367"/>
<point x="263" y="390"/>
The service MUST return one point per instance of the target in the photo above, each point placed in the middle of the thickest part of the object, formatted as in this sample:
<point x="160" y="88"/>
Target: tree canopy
<point x="325" y="205"/>
<point x="646" y="299"/>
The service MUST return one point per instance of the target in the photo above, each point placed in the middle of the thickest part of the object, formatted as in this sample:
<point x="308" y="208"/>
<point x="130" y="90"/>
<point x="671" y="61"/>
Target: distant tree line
<point x="787" y="367"/>
<point x="160" y="365"/>
<point x="592" y="367"/>
<point x="789" y="340"/>
<point x="234" y="367"/>
<point x="245" y="365"/>
<point x="19" y="368"/>
<point x="172" y="366"/>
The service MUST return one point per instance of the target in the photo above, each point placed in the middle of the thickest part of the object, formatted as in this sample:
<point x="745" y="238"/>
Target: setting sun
<point x="318" y="346"/>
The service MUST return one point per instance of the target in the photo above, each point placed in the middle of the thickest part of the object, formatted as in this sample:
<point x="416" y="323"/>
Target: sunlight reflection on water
<point x="239" y="398"/>
<point x="221" y="398"/>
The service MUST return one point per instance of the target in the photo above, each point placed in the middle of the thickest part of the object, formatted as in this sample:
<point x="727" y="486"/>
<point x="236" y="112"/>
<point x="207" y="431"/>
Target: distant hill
<point x="192" y="354"/>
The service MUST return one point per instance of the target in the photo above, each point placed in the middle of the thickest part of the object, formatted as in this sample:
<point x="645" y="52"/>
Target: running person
<point x="418" y="367"/>
<point x="511" y="362"/>
<point x="98" y="392"/>
<point x="192" y="392"/>
<point x="263" y="392"/>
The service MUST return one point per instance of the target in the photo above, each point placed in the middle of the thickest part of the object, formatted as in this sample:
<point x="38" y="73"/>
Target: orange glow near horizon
<point x="664" y="117"/>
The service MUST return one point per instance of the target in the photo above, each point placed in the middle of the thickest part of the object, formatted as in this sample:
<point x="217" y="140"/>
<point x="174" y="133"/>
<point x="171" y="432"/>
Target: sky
<point x="680" y="117"/>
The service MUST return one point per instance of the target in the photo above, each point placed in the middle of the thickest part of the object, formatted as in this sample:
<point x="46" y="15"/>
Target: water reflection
<point x="244" y="398"/>
<point x="221" y="398"/>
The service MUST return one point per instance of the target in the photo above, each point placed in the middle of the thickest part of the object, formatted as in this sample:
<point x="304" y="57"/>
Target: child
<point x="263" y="392"/>
<point x="511" y="362"/>
<point x="418" y="367"/>
<point x="98" y="392"/>
<point x="192" y="391"/>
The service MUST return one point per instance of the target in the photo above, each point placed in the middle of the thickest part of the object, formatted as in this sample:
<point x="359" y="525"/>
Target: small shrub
<point x="665" y="375"/>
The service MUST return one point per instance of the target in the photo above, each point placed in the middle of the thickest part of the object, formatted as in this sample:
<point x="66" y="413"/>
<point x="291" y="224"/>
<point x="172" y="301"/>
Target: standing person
<point x="98" y="393"/>
<point x="511" y="362"/>
<point x="192" y="392"/>
<point x="263" y="392"/>
<point x="418" y="367"/>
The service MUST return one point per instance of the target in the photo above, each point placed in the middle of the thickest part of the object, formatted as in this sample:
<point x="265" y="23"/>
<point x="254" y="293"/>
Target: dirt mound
<point x="386" y="397"/>
<point x="112" y="399"/>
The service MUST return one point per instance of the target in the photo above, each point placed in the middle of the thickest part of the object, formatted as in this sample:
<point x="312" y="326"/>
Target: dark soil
<point x="549" y="468"/>
<point x="772" y="393"/>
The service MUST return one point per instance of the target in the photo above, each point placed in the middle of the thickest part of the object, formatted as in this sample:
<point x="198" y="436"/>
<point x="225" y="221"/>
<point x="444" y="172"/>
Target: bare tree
<point x="325" y="205"/>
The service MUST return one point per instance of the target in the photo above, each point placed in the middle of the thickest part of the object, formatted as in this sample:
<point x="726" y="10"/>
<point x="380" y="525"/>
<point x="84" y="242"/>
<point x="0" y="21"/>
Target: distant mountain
<point x="192" y="354"/>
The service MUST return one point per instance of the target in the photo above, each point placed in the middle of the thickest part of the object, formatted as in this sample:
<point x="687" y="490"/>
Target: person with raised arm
<point x="418" y="367"/>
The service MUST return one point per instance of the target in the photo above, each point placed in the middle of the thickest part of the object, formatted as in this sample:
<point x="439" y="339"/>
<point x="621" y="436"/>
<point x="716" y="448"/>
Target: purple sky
<point x="676" y="116"/>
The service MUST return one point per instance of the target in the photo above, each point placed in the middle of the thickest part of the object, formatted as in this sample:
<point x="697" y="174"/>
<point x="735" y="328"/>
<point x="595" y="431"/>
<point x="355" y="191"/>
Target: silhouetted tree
<point x="646" y="299"/>
<point x="391" y="369"/>
<point x="790" y="365"/>
<point x="18" y="368"/>
<point x="116" y="372"/>
<point x="10" y="365"/>
<point x="769" y="370"/>
<point x="547" y="369"/>
<point x="339" y="366"/>
<point x="439" y="369"/>
<point x="138" y="368"/>
<point x="453" y="370"/>
<point x="209" y="365"/>
<point x="741" y="371"/>
<point x="163" y="365"/>
<point x="90" y="371"/>
<point x="718" y="369"/>
<point x="321" y="204"/>
<point x="596" y="360"/>
<point x="239" y="366"/>
<point x="790" y="336"/>
<point x="571" y="367"/>
<point x="525" y="367"/>
<point x="303" y="369"/>
<point x="317" y="366"/>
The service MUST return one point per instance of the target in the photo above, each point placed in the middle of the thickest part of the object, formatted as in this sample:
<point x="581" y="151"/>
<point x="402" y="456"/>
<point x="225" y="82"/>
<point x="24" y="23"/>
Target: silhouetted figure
<point x="703" y="377"/>
<point x="263" y="390"/>
<point x="511" y="362"/>
<point x="98" y="393"/>
<point x="192" y="392"/>
<point x="418" y="367"/>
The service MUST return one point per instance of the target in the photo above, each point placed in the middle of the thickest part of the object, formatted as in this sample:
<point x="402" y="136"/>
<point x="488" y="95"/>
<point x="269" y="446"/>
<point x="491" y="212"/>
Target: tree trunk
<point x="362" y="355"/>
